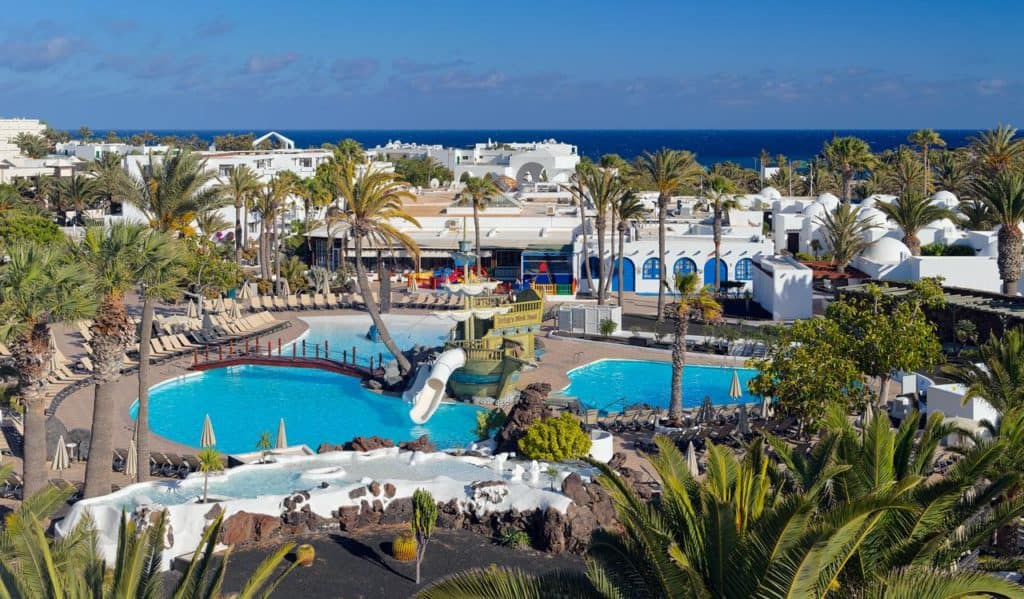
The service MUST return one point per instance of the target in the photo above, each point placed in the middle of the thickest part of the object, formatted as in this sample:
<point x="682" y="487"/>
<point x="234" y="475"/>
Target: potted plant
<point x="264" y="445"/>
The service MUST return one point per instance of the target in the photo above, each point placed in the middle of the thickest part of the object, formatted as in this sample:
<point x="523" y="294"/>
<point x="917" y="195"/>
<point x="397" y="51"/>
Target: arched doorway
<point x="628" y="275"/>
<point x="709" y="272"/>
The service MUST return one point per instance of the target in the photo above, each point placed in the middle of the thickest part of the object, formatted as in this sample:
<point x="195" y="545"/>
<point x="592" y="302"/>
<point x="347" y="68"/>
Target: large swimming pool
<point x="611" y="385"/>
<point x="317" y="406"/>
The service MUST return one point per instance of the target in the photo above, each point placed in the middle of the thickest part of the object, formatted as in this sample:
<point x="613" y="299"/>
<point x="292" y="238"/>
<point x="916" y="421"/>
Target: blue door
<point x="628" y="275"/>
<point x="709" y="272"/>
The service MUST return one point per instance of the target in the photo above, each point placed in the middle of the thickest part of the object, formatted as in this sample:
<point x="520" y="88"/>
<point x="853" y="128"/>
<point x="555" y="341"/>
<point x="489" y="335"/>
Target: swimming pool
<point x="342" y="333"/>
<point x="610" y="385"/>
<point x="318" y="406"/>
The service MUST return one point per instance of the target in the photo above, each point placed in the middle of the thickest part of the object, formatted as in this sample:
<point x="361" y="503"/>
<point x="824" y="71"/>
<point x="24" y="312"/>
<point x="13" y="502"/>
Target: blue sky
<point x="552" y="64"/>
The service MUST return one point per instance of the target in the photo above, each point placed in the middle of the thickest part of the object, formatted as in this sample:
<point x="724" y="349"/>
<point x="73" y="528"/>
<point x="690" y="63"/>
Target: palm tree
<point x="479" y="191"/>
<point x="77" y="192"/>
<point x="110" y="176"/>
<point x="172" y="191"/>
<point x="694" y="302"/>
<point x="241" y="185"/>
<point x="667" y="170"/>
<point x="113" y="260"/>
<point x="373" y="198"/>
<point x="581" y="195"/>
<point x="209" y="222"/>
<point x="905" y="173"/>
<point x="629" y="209"/>
<point x="605" y="189"/>
<point x="846" y="156"/>
<point x="162" y="269"/>
<point x="845" y="234"/>
<point x="38" y="287"/>
<point x="347" y="150"/>
<point x="266" y="205"/>
<point x="1004" y="195"/>
<point x="281" y="187"/>
<point x="996" y="374"/>
<point x="720" y="194"/>
<point x="925" y="139"/>
<point x="913" y="212"/>
<point x="997" y="150"/>
<point x="952" y="172"/>
<point x="32" y="145"/>
<point x="209" y="461"/>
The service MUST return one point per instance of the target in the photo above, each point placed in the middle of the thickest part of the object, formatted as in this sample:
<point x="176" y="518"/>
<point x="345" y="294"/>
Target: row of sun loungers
<point x="329" y="301"/>
<point x="225" y="330"/>
<point x="169" y="465"/>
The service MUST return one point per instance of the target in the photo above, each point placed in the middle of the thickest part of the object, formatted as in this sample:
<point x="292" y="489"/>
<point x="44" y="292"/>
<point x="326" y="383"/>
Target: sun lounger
<point x="120" y="460"/>
<point x="306" y="301"/>
<point x="279" y="303"/>
<point x="319" y="302"/>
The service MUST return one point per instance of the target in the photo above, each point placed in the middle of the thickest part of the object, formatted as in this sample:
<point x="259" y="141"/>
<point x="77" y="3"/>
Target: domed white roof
<point x="871" y="215"/>
<point x="815" y="211"/>
<point x="943" y="223"/>
<point x="829" y="201"/>
<point x="885" y="198"/>
<point x="886" y="250"/>
<point x="745" y="202"/>
<point x="770" y="192"/>
<point x="945" y="198"/>
<point x="868" y="202"/>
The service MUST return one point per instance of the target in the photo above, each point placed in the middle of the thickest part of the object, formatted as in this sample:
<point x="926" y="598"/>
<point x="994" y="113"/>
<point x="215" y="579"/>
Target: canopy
<point x="735" y="390"/>
<point x="282" y="439"/>
<point x="473" y="288"/>
<point x="463" y="315"/>
<point x="208" y="439"/>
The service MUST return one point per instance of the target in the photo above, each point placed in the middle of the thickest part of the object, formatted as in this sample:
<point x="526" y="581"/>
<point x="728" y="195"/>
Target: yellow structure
<point x="497" y="347"/>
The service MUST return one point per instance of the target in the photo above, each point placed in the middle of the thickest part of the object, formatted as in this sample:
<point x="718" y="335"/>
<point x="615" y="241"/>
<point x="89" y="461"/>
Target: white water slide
<point x="427" y="391"/>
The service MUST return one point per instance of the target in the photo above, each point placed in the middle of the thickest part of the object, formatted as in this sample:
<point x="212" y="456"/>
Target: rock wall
<point x="529" y="409"/>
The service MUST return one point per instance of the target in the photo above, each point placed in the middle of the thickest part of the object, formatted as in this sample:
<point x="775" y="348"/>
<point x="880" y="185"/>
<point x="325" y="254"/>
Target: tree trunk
<point x="716" y="228"/>
<point x="112" y="332"/>
<point x="371" y="307"/>
<point x="924" y="152"/>
<point x="238" y="232"/>
<point x="142" y="418"/>
<point x="622" y="244"/>
<point x="276" y="257"/>
<point x="611" y="259"/>
<point x="476" y="233"/>
<point x="586" y="248"/>
<point x="262" y="241"/>
<point x="602" y="272"/>
<point x="913" y="244"/>
<point x="847" y="185"/>
<point x="662" y="209"/>
<point x="206" y="486"/>
<point x="675" y="406"/>
<point x="1009" y="260"/>
<point x="31" y="354"/>
<point x="883" y="389"/>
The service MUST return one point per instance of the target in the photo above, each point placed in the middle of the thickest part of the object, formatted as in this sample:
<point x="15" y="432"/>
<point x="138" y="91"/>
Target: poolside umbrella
<point x="706" y="413"/>
<point x="208" y="439"/>
<point x="131" y="468"/>
<point x="52" y="341"/>
<point x="735" y="390"/>
<point x="219" y="307"/>
<point x="285" y="289"/>
<point x="691" y="460"/>
<point x="243" y="292"/>
<point x="869" y="414"/>
<point x="742" y="422"/>
<point x="236" y="312"/>
<point x="282" y="439"/>
<point x="192" y="311"/>
<point x="766" y="407"/>
<point x="61" y="461"/>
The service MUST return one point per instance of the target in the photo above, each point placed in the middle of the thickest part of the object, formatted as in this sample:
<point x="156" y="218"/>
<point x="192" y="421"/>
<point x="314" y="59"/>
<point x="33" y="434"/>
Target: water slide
<point x="427" y="391"/>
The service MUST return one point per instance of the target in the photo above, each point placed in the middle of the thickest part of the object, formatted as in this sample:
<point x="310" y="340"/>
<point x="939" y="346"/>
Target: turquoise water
<point x="610" y="385"/>
<point x="317" y="406"/>
<point x="342" y="333"/>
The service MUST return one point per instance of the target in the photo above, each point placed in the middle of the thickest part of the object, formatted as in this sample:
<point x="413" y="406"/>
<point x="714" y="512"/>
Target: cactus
<point x="403" y="548"/>
<point x="305" y="555"/>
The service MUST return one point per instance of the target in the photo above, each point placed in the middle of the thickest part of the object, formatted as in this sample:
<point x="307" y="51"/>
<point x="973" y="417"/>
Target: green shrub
<point x="803" y="256"/>
<point x="941" y="249"/>
<point x="555" y="439"/>
<point x="18" y="225"/>
<point x="608" y="327"/>
<point x="488" y="421"/>
<point x="514" y="538"/>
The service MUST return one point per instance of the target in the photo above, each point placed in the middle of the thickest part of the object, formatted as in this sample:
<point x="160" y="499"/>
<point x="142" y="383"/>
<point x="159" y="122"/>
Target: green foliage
<point x="514" y="538"/>
<point x="19" y="225"/>
<point x="209" y="274"/>
<point x="489" y="421"/>
<point x="293" y="270"/>
<point x="31" y="145"/>
<point x="231" y="142"/>
<point x="264" y="442"/>
<point x="556" y="439"/>
<point x="419" y="171"/>
<point x="996" y="373"/>
<point x="403" y="547"/>
<point x="607" y="327"/>
<point x="941" y="249"/>
<point x="424" y="520"/>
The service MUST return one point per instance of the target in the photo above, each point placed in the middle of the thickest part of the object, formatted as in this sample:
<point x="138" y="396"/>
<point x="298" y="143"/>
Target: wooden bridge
<point x="299" y="355"/>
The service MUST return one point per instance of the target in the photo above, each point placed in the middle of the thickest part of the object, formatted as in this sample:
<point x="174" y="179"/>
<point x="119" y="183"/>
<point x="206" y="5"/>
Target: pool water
<point x="611" y="385"/>
<point x="342" y="333"/>
<point x="318" y="406"/>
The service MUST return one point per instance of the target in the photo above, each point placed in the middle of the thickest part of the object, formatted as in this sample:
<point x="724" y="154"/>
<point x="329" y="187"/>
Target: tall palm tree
<point x="997" y="374"/>
<point x="975" y="215"/>
<point x="77" y="193"/>
<point x="38" y="287"/>
<point x="667" y="170"/>
<point x="913" y="212"/>
<point x="905" y="173"/>
<point x="581" y="195"/>
<point x="845" y="234"/>
<point x="113" y="260"/>
<point x="846" y="156"/>
<point x="997" y="150"/>
<point x="1004" y="195"/>
<point x="605" y="189"/>
<point x="720" y="196"/>
<point x="925" y="139"/>
<point x="695" y="302"/>
<point x="479" y="191"/>
<point x="110" y="176"/>
<point x="951" y="170"/>
<point x="374" y="198"/>
<point x="241" y="185"/>
<point x="265" y="204"/>
<point x="629" y="209"/>
<point x="281" y="187"/>
<point x="173" y="189"/>
<point x="162" y="270"/>
<point x="347" y="150"/>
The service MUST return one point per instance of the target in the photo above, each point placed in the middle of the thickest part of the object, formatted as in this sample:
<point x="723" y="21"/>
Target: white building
<point x="12" y="128"/>
<point x="782" y="286"/>
<point x="95" y="150"/>
<point x="530" y="162"/>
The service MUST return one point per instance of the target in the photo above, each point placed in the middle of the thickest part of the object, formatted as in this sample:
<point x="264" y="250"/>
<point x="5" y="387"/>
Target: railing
<point x="299" y="353"/>
<point x="484" y="355"/>
<point x="485" y="301"/>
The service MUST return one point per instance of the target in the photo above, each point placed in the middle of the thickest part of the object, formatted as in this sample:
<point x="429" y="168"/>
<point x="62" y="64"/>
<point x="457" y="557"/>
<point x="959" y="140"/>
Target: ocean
<point x="711" y="146"/>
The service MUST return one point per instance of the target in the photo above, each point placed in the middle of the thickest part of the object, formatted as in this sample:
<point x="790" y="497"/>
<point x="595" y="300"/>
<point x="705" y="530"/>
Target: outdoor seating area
<point x="354" y="301"/>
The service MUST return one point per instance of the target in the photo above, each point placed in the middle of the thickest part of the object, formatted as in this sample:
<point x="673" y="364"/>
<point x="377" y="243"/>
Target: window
<point x="743" y="270"/>
<point x="652" y="269"/>
<point x="306" y="162"/>
<point x="226" y="169"/>
<point x="263" y="163"/>
<point x="684" y="266"/>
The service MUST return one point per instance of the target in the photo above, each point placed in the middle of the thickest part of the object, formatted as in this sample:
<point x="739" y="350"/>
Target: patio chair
<point x="306" y="301"/>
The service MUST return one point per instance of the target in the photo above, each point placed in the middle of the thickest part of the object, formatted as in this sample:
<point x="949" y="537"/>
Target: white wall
<point x="948" y="399"/>
<point x="783" y="287"/>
